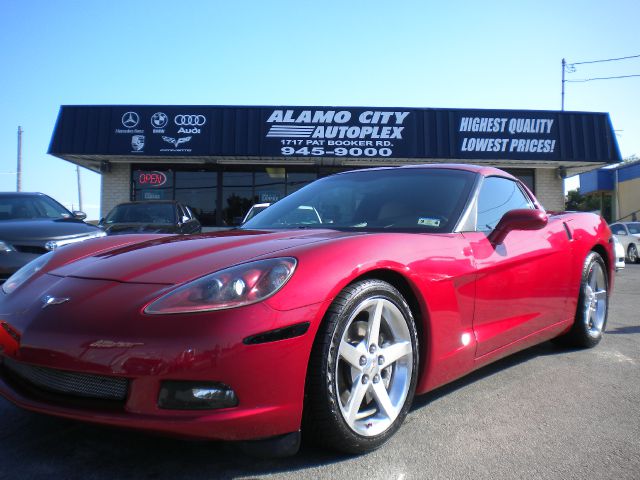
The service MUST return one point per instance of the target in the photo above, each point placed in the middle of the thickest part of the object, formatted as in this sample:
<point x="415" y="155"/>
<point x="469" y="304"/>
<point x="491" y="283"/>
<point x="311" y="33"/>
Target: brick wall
<point x="115" y="187"/>
<point x="549" y="189"/>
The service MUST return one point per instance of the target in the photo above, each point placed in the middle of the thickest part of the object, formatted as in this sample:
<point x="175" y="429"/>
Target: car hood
<point x="176" y="259"/>
<point x="42" y="230"/>
<point x="123" y="228"/>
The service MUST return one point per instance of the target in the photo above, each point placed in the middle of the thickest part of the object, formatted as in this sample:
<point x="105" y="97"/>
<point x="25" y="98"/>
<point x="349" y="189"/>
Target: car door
<point x="522" y="283"/>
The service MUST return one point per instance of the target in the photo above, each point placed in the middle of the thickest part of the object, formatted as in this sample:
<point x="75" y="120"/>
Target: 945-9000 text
<point x="338" y="151"/>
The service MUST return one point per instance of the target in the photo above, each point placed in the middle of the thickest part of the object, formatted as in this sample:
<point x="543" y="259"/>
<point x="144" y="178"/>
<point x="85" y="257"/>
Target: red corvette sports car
<point x="406" y="279"/>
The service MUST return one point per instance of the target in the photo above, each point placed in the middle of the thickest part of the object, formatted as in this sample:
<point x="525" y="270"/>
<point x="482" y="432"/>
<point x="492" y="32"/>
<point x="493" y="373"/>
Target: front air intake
<point x="69" y="383"/>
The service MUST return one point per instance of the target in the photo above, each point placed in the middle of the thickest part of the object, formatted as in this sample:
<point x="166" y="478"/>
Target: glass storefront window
<point x="237" y="196"/>
<point x="153" y="184"/>
<point x="198" y="190"/>
<point x="269" y="185"/>
<point x="240" y="188"/>
<point x="297" y="180"/>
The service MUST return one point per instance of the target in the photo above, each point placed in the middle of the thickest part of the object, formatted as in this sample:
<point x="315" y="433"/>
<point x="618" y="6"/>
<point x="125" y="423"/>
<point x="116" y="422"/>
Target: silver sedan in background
<point x="628" y="234"/>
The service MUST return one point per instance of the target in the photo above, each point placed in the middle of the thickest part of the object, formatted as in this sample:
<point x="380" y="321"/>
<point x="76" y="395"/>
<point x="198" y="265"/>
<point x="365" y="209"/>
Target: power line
<point x="582" y="80"/>
<point x="605" y="60"/>
<point x="571" y="68"/>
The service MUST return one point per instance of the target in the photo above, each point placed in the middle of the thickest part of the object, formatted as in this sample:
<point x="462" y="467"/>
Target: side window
<point x="497" y="196"/>
<point x="618" y="229"/>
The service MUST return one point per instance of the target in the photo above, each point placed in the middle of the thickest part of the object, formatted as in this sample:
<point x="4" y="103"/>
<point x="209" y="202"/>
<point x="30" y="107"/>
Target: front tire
<point x="363" y="369"/>
<point x="593" y="305"/>
<point x="632" y="254"/>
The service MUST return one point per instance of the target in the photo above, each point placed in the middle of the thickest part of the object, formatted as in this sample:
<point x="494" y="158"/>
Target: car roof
<point x="485" y="171"/>
<point x="147" y="202"/>
<point x="22" y="194"/>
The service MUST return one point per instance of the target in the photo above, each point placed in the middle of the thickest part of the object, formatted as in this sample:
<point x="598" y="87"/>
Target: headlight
<point x="5" y="247"/>
<point x="25" y="273"/>
<point x="230" y="288"/>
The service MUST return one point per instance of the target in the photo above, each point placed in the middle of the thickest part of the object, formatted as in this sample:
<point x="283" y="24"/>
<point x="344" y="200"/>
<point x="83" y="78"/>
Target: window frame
<point x="524" y="191"/>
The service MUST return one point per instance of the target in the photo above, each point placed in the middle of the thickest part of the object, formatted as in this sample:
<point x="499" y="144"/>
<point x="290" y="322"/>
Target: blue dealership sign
<point x="334" y="133"/>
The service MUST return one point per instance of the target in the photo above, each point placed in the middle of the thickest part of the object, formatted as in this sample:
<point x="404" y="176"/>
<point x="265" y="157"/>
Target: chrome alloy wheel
<point x="595" y="300"/>
<point x="374" y="367"/>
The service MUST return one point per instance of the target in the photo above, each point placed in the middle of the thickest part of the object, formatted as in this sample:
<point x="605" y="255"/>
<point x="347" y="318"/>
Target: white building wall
<point x="549" y="189"/>
<point x="115" y="187"/>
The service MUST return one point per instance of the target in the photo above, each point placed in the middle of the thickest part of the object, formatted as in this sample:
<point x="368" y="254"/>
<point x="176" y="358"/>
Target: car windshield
<point x="21" y="207"/>
<point x="156" y="213"/>
<point x="634" y="228"/>
<point x="403" y="199"/>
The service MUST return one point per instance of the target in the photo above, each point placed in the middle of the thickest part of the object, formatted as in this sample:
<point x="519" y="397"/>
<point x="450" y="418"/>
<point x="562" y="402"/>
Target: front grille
<point x="30" y="249"/>
<point x="69" y="383"/>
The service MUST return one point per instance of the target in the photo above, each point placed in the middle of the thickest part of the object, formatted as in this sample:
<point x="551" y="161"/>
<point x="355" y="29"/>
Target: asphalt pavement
<point x="544" y="413"/>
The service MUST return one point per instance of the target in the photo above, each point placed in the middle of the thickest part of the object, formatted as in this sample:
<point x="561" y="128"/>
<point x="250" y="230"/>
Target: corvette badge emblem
<point x="49" y="300"/>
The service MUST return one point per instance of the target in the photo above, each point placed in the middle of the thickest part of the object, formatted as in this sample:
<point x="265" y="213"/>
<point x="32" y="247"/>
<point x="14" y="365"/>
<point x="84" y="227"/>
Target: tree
<point x="582" y="203"/>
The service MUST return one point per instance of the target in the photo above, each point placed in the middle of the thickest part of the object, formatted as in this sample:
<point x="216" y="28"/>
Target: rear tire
<point x="593" y="305"/>
<point x="363" y="369"/>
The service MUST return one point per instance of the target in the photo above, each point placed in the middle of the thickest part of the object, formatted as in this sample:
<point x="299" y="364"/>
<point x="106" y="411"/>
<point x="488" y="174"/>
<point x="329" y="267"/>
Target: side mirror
<point x="79" y="215"/>
<point x="185" y="219"/>
<point x="519" y="219"/>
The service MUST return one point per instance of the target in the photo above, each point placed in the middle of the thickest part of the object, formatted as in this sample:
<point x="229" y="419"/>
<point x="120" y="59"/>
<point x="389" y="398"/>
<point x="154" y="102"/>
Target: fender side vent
<point x="567" y="230"/>
<point x="278" y="334"/>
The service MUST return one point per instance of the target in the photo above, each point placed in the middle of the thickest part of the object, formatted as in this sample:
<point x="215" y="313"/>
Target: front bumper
<point x="119" y="341"/>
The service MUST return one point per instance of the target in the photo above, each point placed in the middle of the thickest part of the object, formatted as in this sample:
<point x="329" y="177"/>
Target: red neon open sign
<point x="152" y="179"/>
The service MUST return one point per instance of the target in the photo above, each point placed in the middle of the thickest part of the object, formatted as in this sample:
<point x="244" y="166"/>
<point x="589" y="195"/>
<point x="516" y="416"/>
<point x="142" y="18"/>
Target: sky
<point x="453" y="54"/>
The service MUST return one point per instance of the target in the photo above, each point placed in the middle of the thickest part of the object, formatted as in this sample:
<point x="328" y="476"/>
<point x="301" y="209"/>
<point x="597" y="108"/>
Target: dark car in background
<point x="150" y="217"/>
<point x="32" y="224"/>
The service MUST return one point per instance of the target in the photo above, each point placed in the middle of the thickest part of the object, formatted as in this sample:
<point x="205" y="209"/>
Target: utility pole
<point x="79" y="189"/>
<point x="19" y="175"/>
<point x="564" y="67"/>
<point x="571" y="68"/>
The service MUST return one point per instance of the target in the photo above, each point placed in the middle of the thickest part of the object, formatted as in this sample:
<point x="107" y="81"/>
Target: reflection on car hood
<point x="175" y="259"/>
<point x="122" y="228"/>
<point x="43" y="229"/>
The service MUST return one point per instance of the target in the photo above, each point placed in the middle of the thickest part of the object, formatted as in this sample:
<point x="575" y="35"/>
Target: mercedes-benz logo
<point x="159" y="120"/>
<point x="130" y="119"/>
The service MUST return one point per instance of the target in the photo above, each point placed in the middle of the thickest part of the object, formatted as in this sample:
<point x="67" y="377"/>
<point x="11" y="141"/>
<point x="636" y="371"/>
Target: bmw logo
<point x="159" y="120"/>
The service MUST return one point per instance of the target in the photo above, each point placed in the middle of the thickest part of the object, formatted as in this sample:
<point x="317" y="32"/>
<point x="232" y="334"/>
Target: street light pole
<point x="19" y="171"/>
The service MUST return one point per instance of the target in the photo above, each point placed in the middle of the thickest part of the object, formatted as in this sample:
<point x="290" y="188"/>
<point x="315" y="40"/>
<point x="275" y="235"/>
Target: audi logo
<point x="190" y="120"/>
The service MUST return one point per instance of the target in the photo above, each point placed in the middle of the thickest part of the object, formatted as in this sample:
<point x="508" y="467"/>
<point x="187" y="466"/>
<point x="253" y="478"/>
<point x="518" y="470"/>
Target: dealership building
<point x="617" y="187"/>
<point x="221" y="160"/>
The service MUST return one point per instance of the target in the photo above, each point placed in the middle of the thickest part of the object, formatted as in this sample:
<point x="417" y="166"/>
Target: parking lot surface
<point x="545" y="413"/>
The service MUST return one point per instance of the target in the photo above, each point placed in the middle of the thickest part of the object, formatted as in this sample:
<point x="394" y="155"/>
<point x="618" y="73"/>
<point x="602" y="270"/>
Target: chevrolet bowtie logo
<point x="49" y="300"/>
